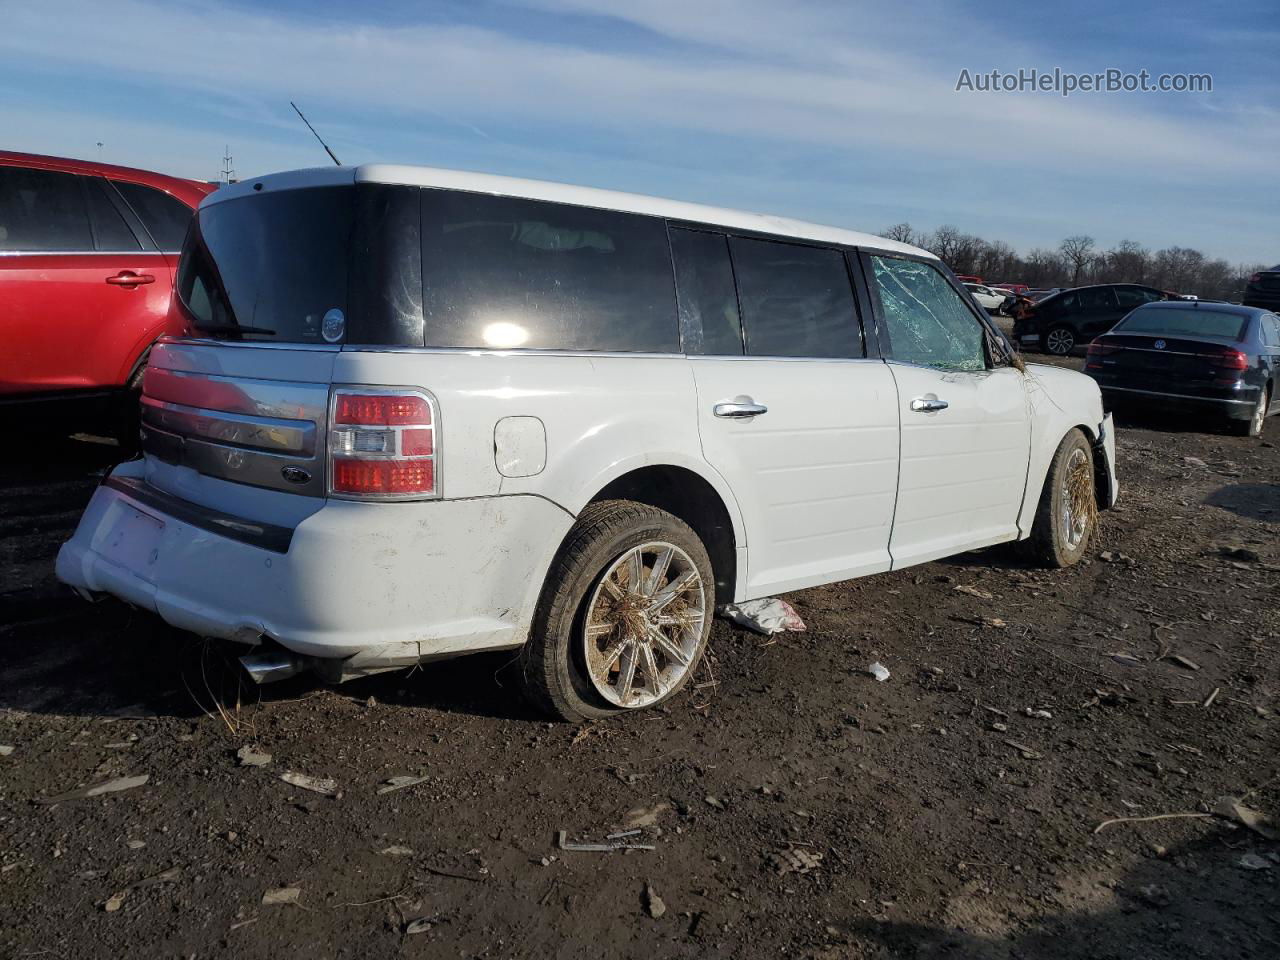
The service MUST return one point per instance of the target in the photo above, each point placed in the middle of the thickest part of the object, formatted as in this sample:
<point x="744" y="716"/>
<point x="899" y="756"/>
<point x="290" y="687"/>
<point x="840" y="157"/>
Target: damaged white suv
<point x="421" y="413"/>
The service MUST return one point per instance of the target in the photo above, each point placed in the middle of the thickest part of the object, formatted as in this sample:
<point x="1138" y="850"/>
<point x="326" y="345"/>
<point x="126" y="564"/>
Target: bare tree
<point x="902" y="232"/>
<point x="1077" y="250"/>
<point x="1128" y="262"/>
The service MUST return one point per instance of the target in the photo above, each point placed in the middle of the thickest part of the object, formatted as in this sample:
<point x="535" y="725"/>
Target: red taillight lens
<point x="1100" y="349"/>
<point x="382" y="446"/>
<point x="1255" y="278"/>
<point x="383" y="477"/>
<point x="382" y="409"/>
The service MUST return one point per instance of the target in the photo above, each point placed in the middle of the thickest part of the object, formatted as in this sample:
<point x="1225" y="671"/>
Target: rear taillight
<point x="1097" y="350"/>
<point x="383" y="445"/>
<point x="1226" y="359"/>
<point x="1255" y="278"/>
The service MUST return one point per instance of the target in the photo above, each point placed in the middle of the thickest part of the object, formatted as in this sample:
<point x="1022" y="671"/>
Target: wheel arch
<point x="695" y="499"/>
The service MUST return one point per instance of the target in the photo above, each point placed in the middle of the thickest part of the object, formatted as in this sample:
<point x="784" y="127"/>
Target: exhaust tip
<point x="268" y="666"/>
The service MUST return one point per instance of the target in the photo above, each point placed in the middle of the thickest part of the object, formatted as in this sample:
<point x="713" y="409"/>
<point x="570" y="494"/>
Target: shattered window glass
<point x="925" y="318"/>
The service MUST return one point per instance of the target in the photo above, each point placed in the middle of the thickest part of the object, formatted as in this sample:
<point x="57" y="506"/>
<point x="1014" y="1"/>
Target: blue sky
<point x="827" y="110"/>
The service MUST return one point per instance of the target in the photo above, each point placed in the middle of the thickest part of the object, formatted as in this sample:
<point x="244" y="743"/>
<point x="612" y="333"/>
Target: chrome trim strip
<point x="270" y="434"/>
<point x="89" y="253"/>
<point x="1176" y="396"/>
<point x="250" y="344"/>
<point x="213" y="394"/>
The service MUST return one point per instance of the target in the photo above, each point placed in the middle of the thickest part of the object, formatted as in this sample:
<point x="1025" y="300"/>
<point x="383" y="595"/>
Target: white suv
<point x="422" y="413"/>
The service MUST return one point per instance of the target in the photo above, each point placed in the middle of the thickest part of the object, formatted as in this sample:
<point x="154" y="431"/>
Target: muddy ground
<point x="950" y="823"/>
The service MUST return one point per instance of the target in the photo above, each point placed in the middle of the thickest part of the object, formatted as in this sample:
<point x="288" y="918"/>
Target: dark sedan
<point x="1070" y="318"/>
<point x="1210" y="356"/>
<point x="1263" y="289"/>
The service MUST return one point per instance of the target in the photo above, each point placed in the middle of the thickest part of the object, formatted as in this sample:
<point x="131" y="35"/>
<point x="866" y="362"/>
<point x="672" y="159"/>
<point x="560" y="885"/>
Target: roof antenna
<point x="316" y="135"/>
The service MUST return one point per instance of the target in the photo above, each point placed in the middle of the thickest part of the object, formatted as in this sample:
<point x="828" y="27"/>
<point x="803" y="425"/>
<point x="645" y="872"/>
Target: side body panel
<point x="815" y="477"/>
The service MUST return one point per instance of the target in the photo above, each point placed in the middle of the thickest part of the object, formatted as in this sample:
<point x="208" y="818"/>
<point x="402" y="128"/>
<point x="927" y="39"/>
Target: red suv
<point x="87" y="257"/>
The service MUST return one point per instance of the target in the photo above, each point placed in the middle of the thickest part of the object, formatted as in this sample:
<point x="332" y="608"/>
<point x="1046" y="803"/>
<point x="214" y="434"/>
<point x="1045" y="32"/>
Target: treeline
<point x="1078" y="261"/>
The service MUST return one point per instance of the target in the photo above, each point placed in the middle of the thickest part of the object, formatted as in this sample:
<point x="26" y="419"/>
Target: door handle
<point x="127" y="278"/>
<point x="928" y="404"/>
<point x="739" y="408"/>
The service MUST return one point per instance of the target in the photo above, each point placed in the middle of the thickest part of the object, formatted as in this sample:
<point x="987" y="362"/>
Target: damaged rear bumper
<point x="1104" y="460"/>
<point x="376" y="586"/>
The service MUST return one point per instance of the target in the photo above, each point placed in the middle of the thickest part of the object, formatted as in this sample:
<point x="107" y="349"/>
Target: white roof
<point x="558" y="193"/>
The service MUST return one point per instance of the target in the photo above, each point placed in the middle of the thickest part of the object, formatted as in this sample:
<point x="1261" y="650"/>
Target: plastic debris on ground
<point x="879" y="671"/>
<point x="768" y="616"/>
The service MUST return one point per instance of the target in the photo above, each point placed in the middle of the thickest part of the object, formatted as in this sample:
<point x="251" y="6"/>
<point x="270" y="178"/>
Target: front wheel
<point x="1068" y="511"/>
<point x="1253" y="426"/>
<point x="624" y="615"/>
<point x="1060" y="341"/>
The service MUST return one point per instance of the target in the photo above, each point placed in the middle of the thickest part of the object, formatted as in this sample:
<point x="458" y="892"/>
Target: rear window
<point x="1191" y="322"/>
<point x="500" y="272"/>
<point x="269" y="266"/>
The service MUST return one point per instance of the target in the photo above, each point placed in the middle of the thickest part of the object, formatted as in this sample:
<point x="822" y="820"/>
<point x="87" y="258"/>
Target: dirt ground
<point x="953" y="818"/>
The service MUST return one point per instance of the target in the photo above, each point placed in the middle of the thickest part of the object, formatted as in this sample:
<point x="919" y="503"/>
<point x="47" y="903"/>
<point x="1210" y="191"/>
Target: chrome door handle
<point x="928" y="404"/>
<point x="739" y="408"/>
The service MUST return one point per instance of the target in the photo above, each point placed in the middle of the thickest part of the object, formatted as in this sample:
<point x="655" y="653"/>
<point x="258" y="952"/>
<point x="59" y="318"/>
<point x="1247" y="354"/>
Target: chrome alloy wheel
<point x="1075" y="520"/>
<point x="1060" y="342"/>
<point x="643" y="624"/>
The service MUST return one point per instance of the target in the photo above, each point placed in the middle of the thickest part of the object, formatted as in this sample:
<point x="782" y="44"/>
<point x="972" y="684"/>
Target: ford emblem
<point x="295" y="474"/>
<point x="1159" y="344"/>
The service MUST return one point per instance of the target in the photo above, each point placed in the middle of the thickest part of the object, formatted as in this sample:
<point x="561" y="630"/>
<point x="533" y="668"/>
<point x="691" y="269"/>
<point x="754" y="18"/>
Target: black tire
<point x="1059" y="340"/>
<point x="1049" y="544"/>
<point x="127" y="421"/>
<point x="1253" y="426"/>
<point x="553" y="662"/>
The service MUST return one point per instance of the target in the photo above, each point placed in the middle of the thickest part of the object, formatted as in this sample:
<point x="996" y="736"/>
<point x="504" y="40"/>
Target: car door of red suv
<point x="83" y="288"/>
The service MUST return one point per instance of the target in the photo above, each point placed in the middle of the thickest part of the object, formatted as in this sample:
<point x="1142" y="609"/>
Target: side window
<point x="166" y="218"/>
<point x="705" y="295"/>
<point x="926" y="320"/>
<point x="109" y="229"/>
<point x="1271" y="330"/>
<point x="1130" y="297"/>
<point x="796" y="301"/>
<point x="1096" y="299"/>
<point x="42" y="210"/>
<point x="1151" y="296"/>
<point x="501" y="273"/>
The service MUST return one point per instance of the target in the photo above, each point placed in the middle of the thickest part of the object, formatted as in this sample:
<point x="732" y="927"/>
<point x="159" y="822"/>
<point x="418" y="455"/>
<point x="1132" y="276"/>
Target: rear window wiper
<point x="232" y="328"/>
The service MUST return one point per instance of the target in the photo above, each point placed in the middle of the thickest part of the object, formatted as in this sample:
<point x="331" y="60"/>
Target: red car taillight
<point x="1255" y="278"/>
<point x="382" y="445"/>
<point x="1227" y="359"/>
<point x="1097" y="350"/>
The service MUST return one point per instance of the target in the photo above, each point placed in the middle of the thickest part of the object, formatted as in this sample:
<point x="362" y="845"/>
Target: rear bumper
<point x="1236" y="404"/>
<point x="387" y="584"/>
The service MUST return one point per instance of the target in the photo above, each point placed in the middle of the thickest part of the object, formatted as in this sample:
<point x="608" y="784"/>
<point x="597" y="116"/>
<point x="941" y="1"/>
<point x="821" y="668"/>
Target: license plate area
<point x="131" y="539"/>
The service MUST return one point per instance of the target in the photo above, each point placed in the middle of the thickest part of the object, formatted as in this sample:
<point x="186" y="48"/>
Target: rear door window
<point x="1096" y="299"/>
<point x="926" y="320"/>
<point x="797" y="301"/>
<point x="110" y="231"/>
<point x="506" y="273"/>
<point x="165" y="217"/>
<point x="708" y="303"/>
<point x="43" y="211"/>
<point x="1130" y="297"/>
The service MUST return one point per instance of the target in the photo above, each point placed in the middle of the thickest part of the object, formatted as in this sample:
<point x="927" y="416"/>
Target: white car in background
<point x="421" y="413"/>
<point x="991" y="300"/>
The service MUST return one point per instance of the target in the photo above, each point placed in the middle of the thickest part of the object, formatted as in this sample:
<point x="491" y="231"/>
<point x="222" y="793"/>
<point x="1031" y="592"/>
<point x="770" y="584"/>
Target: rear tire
<point x="127" y="422"/>
<point x="1059" y="341"/>
<point x="603" y="603"/>
<point x="1253" y="426"/>
<point x="1068" y="512"/>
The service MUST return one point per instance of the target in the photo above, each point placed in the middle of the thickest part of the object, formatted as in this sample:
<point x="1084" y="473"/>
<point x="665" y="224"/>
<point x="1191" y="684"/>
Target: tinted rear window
<point x="269" y="266"/>
<point x="797" y="301"/>
<point x="165" y="217"/>
<point x="1192" y="322"/>
<point x="500" y="272"/>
